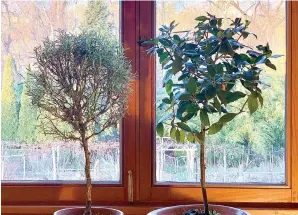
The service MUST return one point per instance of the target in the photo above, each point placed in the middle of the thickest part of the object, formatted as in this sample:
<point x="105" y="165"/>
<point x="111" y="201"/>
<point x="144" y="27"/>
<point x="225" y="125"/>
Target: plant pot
<point x="95" y="211"/>
<point x="180" y="209"/>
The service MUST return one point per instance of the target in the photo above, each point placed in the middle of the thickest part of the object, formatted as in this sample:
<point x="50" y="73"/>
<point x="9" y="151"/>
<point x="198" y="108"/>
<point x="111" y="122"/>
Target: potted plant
<point x="205" y="71"/>
<point x="79" y="81"/>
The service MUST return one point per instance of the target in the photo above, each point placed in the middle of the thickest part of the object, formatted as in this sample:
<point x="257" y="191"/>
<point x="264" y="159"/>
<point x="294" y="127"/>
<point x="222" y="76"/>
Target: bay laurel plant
<point x="206" y="71"/>
<point x="80" y="82"/>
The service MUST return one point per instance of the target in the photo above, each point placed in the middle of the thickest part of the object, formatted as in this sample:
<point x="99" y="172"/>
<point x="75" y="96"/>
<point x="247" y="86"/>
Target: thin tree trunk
<point x="203" y="174"/>
<point x="88" y="177"/>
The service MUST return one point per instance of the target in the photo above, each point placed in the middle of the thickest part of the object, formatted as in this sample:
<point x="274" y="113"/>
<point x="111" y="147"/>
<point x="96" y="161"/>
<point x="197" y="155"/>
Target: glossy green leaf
<point x="201" y="18"/>
<point x="177" y="65"/>
<point x="210" y="92"/>
<point x="227" y="117"/>
<point x="163" y="56"/>
<point x="160" y="129"/>
<point x="176" y="37"/>
<point x="169" y="86"/>
<point x="182" y="136"/>
<point x="270" y="65"/>
<point x="184" y="97"/>
<point x="214" y="128"/>
<point x="191" y="86"/>
<point x="190" y="137"/>
<point x="165" y="42"/>
<point x="211" y="70"/>
<point x="226" y="48"/>
<point x="252" y="102"/>
<point x="166" y="100"/>
<point x="261" y="100"/>
<point x="173" y="133"/>
<point x="184" y="126"/>
<point x="234" y="96"/>
<point x="204" y="118"/>
<point x="177" y="135"/>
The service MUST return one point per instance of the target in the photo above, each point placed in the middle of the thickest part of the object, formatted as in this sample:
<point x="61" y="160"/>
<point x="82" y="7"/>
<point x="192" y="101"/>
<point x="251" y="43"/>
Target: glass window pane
<point x="28" y="154"/>
<point x="249" y="149"/>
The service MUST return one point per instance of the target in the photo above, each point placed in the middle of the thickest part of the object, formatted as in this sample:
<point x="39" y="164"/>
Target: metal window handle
<point x="130" y="186"/>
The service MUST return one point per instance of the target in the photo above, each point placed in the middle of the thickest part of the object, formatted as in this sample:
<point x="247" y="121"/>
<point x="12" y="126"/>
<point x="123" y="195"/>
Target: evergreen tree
<point x="27" y="118"/>
<point x="97" y="17"/>
<point x="9" y="114"/>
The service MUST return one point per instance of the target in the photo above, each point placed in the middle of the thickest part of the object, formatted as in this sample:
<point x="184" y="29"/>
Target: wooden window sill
<point x="143" y="209"/>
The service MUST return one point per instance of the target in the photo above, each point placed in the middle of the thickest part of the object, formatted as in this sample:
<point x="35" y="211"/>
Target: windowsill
<point x="144" y="208"/>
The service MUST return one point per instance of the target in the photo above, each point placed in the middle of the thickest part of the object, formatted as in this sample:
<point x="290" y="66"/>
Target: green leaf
<point x="201" y="18"/>
<point x="261" y="100"/>
<point x="210" y="92"/>
<point x="184" y="97"/>
<point x="165" y="42"/>
<point x="252" y="102"/>
<point x="184" y="126"/>
<point x="177" y="38"/>
<point x="163" y="56"/>
<point x="191" y="85"/>
<point x="169" y="86"/>
<point x="270" y="65"/>
<point x="153" y="41"/>
<point x="173" y="133"/>
<point x="226" y="48"/>
<point x="177" y="135"/>
<point x="211" y="70"/>
<point x="204" y="118"/>
<point x="227" y="117"/>
<point x="214" y="128"/>
<point x="177" y="65"/>
<point x="166" y="100"/>
<point x="160" y="129"/>
<point x="182" y="136"/>
<point x="190" y="137"/>
<point x="234" y="96"/>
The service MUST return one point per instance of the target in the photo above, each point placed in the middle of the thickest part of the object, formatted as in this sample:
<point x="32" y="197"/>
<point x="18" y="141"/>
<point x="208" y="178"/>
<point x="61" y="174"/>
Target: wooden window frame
<point x="218" y="193"/>
<point x="72" y="192"/>
<point x="138" y="22"/>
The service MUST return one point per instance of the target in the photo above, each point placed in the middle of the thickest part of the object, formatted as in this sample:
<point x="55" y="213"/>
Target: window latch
<point x="130" y="186"/>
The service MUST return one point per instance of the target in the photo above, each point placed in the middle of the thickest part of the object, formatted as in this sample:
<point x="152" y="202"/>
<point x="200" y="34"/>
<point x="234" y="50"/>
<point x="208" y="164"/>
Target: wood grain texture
<point x="130" y="126"/>
<point x="129" y="210"/>
<point x="294" y="84"/>
<point x="147" y="90"/>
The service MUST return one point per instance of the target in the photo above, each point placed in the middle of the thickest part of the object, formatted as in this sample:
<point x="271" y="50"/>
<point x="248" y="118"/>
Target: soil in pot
<point x="197" y="209"/>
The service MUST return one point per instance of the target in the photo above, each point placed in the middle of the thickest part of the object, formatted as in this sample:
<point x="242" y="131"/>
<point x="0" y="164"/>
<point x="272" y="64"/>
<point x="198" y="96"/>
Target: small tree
<point x="9" y="113"/>
<point x="204" y="74"/>
<point x="77" y="80"/>
<point x="27" y="118"/>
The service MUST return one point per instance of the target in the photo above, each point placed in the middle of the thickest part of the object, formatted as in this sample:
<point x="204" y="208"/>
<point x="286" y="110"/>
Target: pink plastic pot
<point x="95" y="211"/>
<point x="180" y="209"/>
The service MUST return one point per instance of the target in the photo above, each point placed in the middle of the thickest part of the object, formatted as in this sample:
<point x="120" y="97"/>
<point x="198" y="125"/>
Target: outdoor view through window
<point x="27" y="153"/>
<point x="249" y="149"/>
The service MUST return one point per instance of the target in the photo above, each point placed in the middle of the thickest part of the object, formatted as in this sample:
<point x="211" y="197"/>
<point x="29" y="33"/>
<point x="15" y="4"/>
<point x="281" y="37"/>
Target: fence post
<point x="54" y="163"/>
<point x="24" y="167"/>
<point x="2" y="170"/>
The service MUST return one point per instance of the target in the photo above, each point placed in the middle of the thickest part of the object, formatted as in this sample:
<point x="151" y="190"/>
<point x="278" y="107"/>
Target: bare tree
<point x="77" y="81"/>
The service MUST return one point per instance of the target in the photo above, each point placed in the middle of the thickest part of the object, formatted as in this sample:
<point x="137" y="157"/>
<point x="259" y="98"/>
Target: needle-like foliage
<point x="77" y="81"/>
